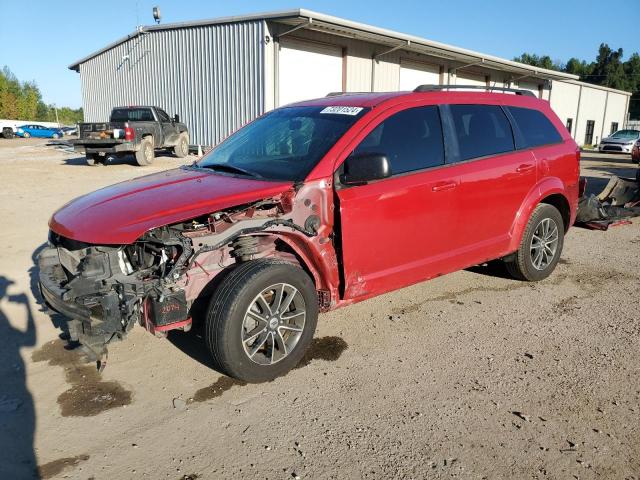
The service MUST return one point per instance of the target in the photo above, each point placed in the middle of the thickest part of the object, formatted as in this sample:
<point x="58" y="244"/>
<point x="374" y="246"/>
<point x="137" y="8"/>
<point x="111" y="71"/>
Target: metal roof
<point x="347" y="28"/>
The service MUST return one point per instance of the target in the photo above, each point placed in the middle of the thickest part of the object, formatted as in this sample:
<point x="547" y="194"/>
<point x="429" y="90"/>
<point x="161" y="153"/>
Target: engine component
<point x="168" y="309"/>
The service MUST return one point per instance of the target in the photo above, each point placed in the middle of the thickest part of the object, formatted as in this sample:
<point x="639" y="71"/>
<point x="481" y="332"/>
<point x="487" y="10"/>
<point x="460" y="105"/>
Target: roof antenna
<point x="156" y="14"/>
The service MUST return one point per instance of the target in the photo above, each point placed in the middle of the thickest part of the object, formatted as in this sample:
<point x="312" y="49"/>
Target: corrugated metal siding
<point x="212" y="76"/>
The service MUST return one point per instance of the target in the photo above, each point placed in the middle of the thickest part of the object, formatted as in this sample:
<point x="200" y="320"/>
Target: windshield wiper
<point x="230" y="169"/>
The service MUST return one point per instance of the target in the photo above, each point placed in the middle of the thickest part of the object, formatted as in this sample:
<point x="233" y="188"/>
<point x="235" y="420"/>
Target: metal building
<point x="219" y="74"/>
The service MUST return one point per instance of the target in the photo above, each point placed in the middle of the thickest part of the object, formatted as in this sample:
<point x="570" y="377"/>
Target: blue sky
<point x="49" y="35"/>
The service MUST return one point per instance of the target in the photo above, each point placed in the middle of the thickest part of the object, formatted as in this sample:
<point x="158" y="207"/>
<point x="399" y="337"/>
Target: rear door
<point x="398" y="231"/>
<point x="494" y="179"/>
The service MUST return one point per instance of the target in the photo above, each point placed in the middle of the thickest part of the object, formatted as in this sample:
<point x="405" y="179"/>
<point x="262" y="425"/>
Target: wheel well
<point x="562" y="205"/>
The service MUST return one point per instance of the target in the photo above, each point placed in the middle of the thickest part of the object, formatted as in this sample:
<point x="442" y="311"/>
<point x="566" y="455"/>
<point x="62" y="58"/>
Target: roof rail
<point x="337" y="94"/>
<point x="436" y="88"/>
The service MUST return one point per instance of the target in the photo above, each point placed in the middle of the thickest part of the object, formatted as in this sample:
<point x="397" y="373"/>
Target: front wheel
<point x="26" y="134"/>
<point x="541" y="245"/>
<point x="261" y="320"/>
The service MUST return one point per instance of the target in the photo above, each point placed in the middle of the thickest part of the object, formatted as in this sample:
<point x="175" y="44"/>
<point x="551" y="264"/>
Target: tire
<point x="26" y="134"/>
<point x="145" y="155"/>
<point x="229" y="323"/>
<point x="93" y="159"/>
<point x="181" y="149"/>
<point x="522" y="266"/>
<point x="7" y="133"/>
<point x="55" y="136"/>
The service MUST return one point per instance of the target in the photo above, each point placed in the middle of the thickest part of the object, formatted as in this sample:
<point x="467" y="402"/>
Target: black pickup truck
<point x="133" y="130"/>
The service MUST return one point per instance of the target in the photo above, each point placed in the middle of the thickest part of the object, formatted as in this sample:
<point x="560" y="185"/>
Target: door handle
<point x="441" y="187"/>
<point x="524" y="168"/>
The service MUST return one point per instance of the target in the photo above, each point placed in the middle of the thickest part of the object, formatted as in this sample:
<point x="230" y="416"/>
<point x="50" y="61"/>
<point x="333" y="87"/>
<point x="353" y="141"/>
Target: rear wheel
<point x="181" y="149"/>
<point x="541" y="245"/>
<point x="7" y="133"/>
<point x="261" y="320"/>
<point x="145" y="155"/>
<point x="55" y="135"/>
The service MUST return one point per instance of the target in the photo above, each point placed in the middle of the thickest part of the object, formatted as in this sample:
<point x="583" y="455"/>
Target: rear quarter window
<point x="535" y="127"/>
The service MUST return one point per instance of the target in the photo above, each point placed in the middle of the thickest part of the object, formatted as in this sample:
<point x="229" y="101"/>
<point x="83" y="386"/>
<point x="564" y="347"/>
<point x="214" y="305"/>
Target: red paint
<point x="393" y="232"/>
<point x="121" y="213"/>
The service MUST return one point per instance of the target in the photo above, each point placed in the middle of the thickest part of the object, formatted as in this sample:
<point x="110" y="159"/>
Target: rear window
<point x="132" y="115"/>
<point x="480" y="130"/>
<point x="411" y="140"/>
<point x="535" y="127"/>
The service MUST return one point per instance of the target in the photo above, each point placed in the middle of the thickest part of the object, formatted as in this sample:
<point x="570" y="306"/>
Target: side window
<point x="480" y="130"/>
<point x="411" y="140"/>
<point x="536" y="128"/>
<point x="162" y="115"/>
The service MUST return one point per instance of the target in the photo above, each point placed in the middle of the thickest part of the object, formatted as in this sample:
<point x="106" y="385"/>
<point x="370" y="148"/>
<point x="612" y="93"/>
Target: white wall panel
<point x="414" y="73"/>
<point x="308" y="70"/>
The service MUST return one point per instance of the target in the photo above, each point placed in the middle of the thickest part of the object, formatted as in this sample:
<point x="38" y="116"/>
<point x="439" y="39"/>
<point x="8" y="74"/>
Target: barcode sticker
<point x="342" y="110"/>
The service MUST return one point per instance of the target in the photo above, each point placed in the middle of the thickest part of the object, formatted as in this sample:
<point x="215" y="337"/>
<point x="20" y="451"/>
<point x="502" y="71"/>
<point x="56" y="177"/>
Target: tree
<point x="23" y="101"/>
<point x="543" y="61"/>
<point x="608" y="70"/>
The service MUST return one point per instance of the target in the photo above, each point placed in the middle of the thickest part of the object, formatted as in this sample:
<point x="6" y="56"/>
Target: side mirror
<point x="176" y="118"/>
<point x="366" y="167"/>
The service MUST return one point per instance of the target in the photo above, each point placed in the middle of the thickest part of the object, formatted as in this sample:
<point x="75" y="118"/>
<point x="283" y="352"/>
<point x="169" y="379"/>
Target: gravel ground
<point x="471" y="375"/>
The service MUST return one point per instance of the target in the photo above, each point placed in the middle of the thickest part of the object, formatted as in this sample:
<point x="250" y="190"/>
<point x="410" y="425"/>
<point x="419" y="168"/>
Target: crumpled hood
<point x="121" y="213"/>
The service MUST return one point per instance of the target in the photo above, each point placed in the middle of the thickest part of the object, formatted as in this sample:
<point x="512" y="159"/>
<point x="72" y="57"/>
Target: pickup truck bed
<point x="132" y="130"/>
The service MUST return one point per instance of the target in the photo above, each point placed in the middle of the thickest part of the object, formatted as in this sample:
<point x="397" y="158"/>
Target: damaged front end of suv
<point x="106" y="289"/>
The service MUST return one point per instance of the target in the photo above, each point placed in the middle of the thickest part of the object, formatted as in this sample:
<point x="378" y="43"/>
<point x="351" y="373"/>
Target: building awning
<point x="307" y="19"/>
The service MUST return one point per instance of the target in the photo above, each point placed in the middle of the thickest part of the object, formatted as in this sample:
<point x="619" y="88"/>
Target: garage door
<point x="471" y="79"/>
<point x="532" y="87"/>
<point x="413" y="74"/>
<point x="308" y="70"/>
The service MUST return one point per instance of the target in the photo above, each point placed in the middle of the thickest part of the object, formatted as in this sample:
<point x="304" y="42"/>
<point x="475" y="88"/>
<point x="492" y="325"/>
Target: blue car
<point x="27" y="131"/>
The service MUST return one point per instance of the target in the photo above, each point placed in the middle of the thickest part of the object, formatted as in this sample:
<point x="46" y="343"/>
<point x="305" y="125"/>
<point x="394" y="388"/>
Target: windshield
<point x="284" y="144"/>
<point x="630" y="134"/>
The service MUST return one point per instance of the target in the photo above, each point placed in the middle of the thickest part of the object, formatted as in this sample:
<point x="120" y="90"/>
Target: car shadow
<point x="120" y="160"/>
<point x="493" y="268"/>
<point x="17" y="411"/>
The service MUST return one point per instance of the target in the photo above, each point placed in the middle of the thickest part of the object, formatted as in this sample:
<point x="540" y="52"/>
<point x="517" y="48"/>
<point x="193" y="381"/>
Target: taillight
<point x="129" y="133"/>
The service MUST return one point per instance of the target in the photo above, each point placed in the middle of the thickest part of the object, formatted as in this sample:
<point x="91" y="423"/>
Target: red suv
<point x="311" y="207"/>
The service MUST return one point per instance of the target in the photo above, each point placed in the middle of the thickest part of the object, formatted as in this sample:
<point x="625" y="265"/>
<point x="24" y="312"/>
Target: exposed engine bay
<point x="106" y="289"/>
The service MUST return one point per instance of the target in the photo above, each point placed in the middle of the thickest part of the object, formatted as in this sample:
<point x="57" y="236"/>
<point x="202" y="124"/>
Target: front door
<point x="397" y="231"/>
<point x="169" y="130"/>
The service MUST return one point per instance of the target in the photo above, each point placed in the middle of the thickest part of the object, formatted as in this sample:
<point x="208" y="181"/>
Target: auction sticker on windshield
<point x="342" y="110"/>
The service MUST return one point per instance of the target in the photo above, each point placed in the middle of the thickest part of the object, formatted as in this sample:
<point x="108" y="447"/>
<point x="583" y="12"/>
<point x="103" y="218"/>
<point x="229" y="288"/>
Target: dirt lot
<point x="472" y="375"/>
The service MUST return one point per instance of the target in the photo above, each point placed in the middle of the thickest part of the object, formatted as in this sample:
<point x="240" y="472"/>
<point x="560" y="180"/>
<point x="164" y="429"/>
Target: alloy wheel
<point x="544" y="244"/>
<point x="273" y="324"/>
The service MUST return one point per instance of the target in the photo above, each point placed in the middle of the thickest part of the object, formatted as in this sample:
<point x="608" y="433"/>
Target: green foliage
<point x="23" y="101"/>
<point x="543" y="61"/>
<point x="608" y="70"/>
